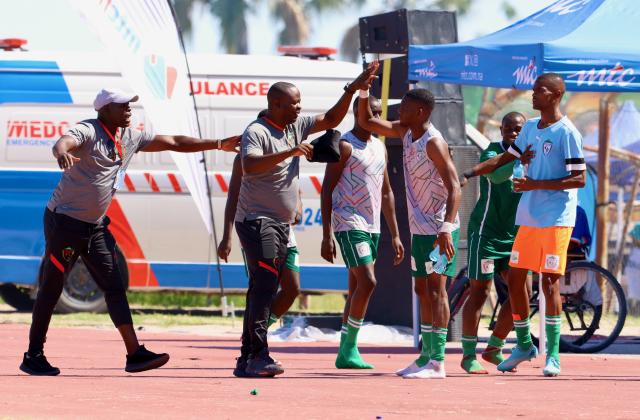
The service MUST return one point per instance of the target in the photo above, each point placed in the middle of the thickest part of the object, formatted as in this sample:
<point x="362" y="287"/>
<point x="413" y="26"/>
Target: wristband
<point x="219" y="144"/>
<point x="447" y="227"/>
<point x="469" y="174"/>
<point x="364" y="94"/>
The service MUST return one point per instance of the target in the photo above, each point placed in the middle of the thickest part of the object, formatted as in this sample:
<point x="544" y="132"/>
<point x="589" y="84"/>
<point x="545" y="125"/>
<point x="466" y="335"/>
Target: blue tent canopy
<point x="593" y="44"/>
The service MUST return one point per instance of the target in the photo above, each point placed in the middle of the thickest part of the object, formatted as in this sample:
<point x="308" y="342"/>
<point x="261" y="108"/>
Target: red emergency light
<point x="307" y="52"/>
<point x="9" y="44"/>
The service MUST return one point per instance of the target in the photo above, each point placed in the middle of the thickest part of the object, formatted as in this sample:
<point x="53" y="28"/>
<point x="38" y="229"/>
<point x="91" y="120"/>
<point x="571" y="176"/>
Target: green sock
<point x="272" y="320"/>
<point x="343" y="334"/>
<point x="522" y="332"/>
<point x="495" y="342"/>
<point x="493" y="352"/>
<point x="438" y="343"/>
<point x="349" y="356"/>
<point x="469" y="343"/>
<point x="552" y="327"/>
<point x="426" y="330"/>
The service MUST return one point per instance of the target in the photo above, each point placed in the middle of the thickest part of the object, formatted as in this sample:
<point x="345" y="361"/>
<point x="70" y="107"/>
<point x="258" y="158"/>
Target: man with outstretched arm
<point x="546" y="214"/>
<point x="433" y="198"/>
<point x="270" y="150"/>
<point x="94" y="155"/>
<point x="354" y="191"/>
<point x="490" y="237"/>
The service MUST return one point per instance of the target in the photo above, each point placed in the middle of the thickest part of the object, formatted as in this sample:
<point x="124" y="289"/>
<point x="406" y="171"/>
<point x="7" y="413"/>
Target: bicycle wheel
<point x="594" y="308"/>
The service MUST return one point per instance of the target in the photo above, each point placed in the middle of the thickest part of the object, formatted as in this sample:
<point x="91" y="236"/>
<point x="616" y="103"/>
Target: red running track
<point x="197" y="383"/>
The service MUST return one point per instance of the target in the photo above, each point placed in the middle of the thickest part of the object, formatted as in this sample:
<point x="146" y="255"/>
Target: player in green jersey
<point x="490" y="236"/>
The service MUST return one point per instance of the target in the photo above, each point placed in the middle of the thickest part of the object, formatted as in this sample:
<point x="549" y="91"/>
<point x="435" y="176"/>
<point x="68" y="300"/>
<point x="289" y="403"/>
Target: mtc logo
<point x="160" y="78"/>
<point x="616" y="76"/>
<point x="526" y="74"/>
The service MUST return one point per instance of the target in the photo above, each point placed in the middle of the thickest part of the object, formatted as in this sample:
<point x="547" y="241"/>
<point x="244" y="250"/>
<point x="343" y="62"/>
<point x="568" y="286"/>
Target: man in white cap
<point x="94" y="155"/>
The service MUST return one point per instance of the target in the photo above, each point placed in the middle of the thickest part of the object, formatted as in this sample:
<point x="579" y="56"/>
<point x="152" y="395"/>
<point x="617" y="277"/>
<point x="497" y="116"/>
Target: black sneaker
<point x="263" y="366"/>
<point x="144" y="359"/>
<point x="38" y="365"/>
<point x="240" y="370"/>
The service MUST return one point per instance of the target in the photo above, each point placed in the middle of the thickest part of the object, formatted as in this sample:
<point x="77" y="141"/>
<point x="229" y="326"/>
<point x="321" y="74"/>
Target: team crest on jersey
<point x="515" y="257"/>
<point x="547" y="146"/>
<point x="487" y="266"/>
<point x="67" y="253"/>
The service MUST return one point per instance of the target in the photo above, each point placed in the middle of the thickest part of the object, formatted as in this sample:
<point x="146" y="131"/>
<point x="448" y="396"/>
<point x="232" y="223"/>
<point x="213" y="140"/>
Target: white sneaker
<point x="412" y="368"/>
<point x="432" y="370"/>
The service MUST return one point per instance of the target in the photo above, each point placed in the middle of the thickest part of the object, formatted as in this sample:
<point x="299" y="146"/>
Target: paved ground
<point x="197" y="383"/>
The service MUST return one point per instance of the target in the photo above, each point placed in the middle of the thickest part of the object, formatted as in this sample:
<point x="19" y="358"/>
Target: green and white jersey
<point x="494" y="216"/>
<point x="357" y="197"/>
<point x="426" y="193"/>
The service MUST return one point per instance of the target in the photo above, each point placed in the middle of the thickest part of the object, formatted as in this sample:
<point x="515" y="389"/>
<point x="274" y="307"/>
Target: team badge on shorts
<point x="552" y="262"/>
<point x="547" y="146"/>
<point x="363" y="249"/>
<point x="486" y="265"/>
<point x="67" y="253"/>
<point x="515" y="257"/>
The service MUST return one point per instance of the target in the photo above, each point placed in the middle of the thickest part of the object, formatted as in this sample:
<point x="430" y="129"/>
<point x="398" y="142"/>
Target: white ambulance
<point x="155" y="222"/>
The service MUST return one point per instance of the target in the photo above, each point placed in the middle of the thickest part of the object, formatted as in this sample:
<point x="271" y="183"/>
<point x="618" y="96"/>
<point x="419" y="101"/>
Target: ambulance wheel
<point x="82" y="294"/>
<point x="17" y="297"/>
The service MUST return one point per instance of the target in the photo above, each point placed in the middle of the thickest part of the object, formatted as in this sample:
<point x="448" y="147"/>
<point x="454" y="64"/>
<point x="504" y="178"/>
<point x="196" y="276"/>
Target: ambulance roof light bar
<point x="9" y="44"/>
<point x="313" y="53"/>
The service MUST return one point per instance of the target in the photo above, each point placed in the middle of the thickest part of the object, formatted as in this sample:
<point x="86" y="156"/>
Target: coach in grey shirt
<point x="94" y="155"/>
<point x="271" y="148"/>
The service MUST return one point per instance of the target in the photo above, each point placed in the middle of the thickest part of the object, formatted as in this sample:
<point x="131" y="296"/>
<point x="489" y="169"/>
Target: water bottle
<point x="518" y="170"/>
<point x="439" y="260"/>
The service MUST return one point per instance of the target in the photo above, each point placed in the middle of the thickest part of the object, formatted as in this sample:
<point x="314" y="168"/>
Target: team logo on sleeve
<point x="515" y="257"/>
<point x="67" y="253"/>
<point x="547" y="146"/>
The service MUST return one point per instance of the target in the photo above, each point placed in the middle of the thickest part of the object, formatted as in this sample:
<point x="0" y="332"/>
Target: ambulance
<point x="162" y="241"/>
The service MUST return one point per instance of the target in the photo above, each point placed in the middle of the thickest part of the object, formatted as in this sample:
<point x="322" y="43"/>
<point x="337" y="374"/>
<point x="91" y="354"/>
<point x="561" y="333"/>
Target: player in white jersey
<point x="354" y="191"/>
<point x="433" y="198"/>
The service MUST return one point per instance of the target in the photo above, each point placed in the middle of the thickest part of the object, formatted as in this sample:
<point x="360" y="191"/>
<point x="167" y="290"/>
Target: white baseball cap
<point x="107" y="96"/>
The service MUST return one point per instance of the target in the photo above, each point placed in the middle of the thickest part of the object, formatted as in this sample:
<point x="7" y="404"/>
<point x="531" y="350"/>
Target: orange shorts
<point x="541" y="250"/>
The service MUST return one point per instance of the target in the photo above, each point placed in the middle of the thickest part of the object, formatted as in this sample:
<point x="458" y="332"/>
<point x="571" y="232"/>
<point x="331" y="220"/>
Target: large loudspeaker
<point x="393" y="32"/>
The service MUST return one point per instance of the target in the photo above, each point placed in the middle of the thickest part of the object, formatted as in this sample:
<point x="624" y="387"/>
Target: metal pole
<point x="542" y="310"/>
<point x="223" y="298"/>
<point x="386" y="80"/>
<point x="602" y="232"/>
<point x="415" y="307"/>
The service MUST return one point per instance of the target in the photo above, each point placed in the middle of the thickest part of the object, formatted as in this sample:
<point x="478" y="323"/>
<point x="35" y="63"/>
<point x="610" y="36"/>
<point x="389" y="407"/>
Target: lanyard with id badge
<point x="117" y="141"/>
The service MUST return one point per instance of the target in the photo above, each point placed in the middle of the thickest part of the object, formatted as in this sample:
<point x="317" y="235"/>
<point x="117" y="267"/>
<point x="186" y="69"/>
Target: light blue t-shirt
<point x="558" y="151"/>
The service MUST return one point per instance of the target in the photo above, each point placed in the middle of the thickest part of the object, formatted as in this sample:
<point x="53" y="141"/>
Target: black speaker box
<point x="393" y="32"/>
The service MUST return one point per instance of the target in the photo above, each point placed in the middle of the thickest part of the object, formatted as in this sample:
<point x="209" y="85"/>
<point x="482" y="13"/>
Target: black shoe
<point x="240" y="370"/>
<point x="38" y="365"/>
<point x="144" y="359"/>
<point x="263" y="366"/>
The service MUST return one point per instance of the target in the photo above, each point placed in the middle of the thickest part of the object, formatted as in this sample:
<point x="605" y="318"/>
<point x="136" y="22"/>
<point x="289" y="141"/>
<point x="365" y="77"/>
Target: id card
<point x="119" y="181"/>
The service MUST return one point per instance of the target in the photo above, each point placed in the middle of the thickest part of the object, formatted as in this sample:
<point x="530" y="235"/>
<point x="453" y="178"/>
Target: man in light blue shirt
<point x="546" y="214"/>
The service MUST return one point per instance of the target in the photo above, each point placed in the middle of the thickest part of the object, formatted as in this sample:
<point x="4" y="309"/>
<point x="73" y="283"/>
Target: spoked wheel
<point x="593" y="308"/>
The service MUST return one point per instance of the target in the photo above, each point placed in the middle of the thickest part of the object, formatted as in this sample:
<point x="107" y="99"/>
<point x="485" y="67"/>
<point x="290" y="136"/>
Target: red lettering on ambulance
<point x="222" y="89"/>
<point x="35" y="129"/>
<point x="236" y="88"/>
<point x="251" y="86"/>
<point x="264" y="88"/>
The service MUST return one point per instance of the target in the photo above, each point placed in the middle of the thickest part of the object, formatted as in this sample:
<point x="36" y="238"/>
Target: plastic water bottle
<point x="439" y="260"/>
<point x="518" y="170"/>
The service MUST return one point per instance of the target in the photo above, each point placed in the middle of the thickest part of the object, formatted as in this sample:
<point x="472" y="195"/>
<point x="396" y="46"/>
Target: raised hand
<point x="366" y="78"/>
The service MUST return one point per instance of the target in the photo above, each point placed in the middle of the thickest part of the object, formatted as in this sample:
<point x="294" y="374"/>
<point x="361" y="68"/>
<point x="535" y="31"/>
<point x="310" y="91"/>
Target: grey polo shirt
<point x="273" y="193"/>
<point x="85" y="191"/>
